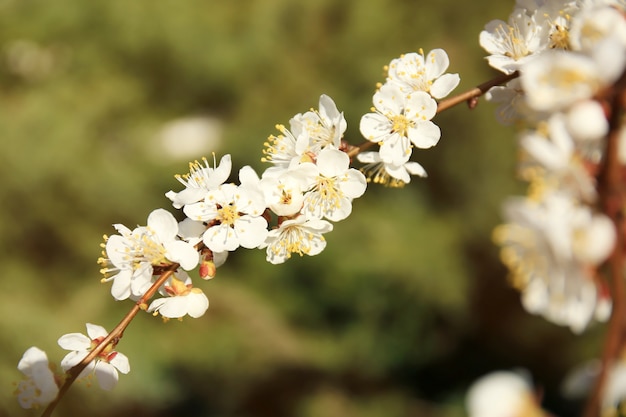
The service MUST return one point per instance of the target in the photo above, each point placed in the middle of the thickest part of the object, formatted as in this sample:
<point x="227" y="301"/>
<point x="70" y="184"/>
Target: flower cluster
<point x="401" y="117"/>
<point x="567" y="54"/>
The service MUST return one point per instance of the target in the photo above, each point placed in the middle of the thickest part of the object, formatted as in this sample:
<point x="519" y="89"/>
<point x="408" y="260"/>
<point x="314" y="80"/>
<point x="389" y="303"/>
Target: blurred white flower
<point x="557" y="79"/>
<point x="502" y="394"/>
<point x="551" y="247"/>
<point x="553" y="159"/>
<point x="39" y="388"/>
<point x="187" y="137"/>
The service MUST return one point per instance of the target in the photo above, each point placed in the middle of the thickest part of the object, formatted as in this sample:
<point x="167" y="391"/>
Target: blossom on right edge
<point x="552" y="247"/>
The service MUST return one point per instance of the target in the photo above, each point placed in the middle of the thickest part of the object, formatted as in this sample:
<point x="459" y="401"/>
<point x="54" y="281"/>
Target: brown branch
<point x="475" y="92"/>
<point x="469" y="96"/>
<point x="115" y="334"/>
<point x="612" y="198"/>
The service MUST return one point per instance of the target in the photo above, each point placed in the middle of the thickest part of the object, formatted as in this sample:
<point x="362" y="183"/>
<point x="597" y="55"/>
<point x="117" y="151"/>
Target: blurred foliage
<point x="406" y="306"/>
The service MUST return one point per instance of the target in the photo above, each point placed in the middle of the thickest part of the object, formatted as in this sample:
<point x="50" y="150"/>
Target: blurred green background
<point x="403" y="310"/>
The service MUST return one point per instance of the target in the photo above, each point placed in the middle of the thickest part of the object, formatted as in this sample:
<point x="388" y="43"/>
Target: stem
<point x="115" y="334"/>
<point x="468" y="96"/>
<point x="475" y="92"/>
<point x="612" y="197"/>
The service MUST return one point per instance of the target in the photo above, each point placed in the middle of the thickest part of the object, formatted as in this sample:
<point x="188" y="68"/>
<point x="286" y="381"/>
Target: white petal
<point x="398" y="172"/>
<point x="415" y="169"/>
<point x="436" y="63"/>
<point x="251" y="231"/>
<point x="163" y="223"/>
<point x="107" y="375"/>
<point x="74" y="341"/>
<point x="355" y="185"/>
<point x="220" y="238"/>
<point x="420" y="106"/>
<point x="375" y="127"/>
<point x="116" y="250"/>
<point x="332" y="162"/>
<point x="120" y="290"/>
<point x="183" y="253"/>
<point x="198" y="304"/>
<point x="369" y="157"/>
<point x="186" y="196"/>
<point x="120" y="361"/>
<point x="444" y="85"/>
<point x="95" y="331"/>
<point x="72" y="359"/>
<point x="31" y="358"/>
<point x="191" y="230"/>
<point x="586" y="121"/>
<point x="425" y="135"/>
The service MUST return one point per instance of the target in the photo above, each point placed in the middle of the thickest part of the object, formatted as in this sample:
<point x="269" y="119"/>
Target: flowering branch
<point x="563" y="72"/>
<point x="111" y="339"/>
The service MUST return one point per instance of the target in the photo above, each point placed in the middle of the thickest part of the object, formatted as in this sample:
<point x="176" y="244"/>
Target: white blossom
<point x="307" y="135"/>
<point x="105" y="366"/>
<point x="400" y="120"/>
<point x="200" y="180"/>
<point x="180" y="298"/>
<point x="300" y="235"/>
<point x="334" y="187"/>
<point x="234" y="215"/>
<point x="511" y="44"/>
<point x="386" y="173"/>
<point x="324" y="127"/>
<point x="416" y="72"/>
<point x="284" y="190"/>
<point x="132" y="255"/>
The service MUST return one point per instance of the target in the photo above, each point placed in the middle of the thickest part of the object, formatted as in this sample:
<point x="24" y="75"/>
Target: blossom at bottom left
<point x="39" y="388"/>
<point x="105" y="366"/>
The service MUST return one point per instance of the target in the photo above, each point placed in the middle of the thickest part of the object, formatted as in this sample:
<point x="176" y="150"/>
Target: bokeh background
<point x="403" y="310"/>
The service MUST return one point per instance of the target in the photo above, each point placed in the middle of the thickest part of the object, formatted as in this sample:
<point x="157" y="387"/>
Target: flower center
<point x="177" y="287"/>
<point x="228" y="214"/>
<point x="328" y="192"/>
<point x="401" y="125"/>
<point x="559" y="39"/>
